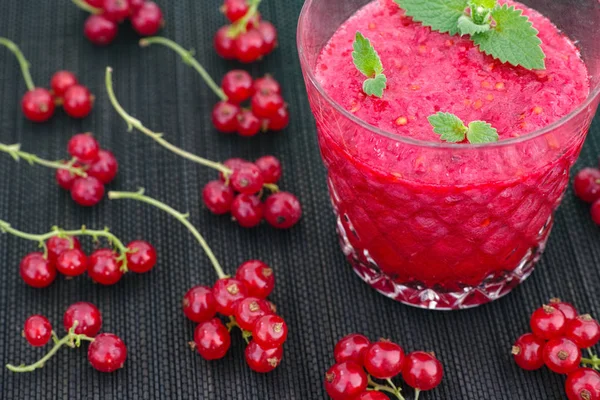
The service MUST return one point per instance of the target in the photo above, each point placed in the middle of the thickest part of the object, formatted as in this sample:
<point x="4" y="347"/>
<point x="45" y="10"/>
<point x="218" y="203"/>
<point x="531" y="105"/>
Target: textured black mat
<point x="318" y="294"/>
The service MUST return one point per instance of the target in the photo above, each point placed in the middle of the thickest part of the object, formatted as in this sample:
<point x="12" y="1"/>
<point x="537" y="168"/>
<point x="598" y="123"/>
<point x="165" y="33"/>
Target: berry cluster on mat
<point x="587" y="188"/>
<point x="364" y="370"/>
<point x="248" y="38"/>
<point x="102" y="26"/>
<point x="558" y="336"/>
<point x="82" y="321"/>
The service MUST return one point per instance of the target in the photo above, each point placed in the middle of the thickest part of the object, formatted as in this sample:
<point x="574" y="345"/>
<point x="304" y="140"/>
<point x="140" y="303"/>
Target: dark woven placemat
<point x="318" y="294"/>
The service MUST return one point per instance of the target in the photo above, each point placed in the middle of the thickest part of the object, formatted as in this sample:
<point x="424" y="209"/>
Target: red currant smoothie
<point x="433" y="224"/>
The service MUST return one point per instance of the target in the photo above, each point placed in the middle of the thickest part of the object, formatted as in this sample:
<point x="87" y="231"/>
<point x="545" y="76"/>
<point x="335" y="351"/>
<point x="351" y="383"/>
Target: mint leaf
<point x="440" y="15"/>
<point x="467" y="26"/>
<point x="481" y="132"/>
<point x="513" y="39"/>
<point x="483" y="3"/>
<point x="367" y="61"/>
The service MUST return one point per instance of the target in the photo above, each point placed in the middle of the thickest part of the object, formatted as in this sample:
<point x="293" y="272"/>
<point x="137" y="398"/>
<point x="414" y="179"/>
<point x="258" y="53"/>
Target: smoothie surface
<point x="430" y="71"/>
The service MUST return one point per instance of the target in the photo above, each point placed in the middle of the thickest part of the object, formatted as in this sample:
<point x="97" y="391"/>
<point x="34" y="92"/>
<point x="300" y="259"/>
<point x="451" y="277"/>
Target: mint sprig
<point x="367" y="61"/>
<point x="502" y="32"/>
<point x="453" y="130"/>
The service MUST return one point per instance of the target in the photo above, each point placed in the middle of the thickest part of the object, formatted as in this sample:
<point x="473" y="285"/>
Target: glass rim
<point x="594" y="93"/>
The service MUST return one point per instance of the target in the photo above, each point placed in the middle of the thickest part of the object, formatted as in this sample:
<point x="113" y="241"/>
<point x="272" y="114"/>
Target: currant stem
<point x="188" y="58"/>
<point x="417" y="394"/>
<point x="14" y="150"/>
<point x="86" y="7"/>
<point x="183" y="218"/>
<point x="383" y="388"/>
<point x="22" y="61"/>
<point x="593" y="362"/>
<point x="241" y="25"/>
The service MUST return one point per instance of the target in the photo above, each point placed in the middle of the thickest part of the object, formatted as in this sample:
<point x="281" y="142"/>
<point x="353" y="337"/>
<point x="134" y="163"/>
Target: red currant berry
<point x="269" y="35"/>
<point x="351" y="348"/>
<point x="384" y="359"/>
<point x="249" y="310"/>
<point x="248" y="46"/>
<point x="345" y="381"/>
<point x="148" y="19"/>
<point x="105" y="168"/>
<point x="247" y="210"/>
<point x="266" y="104"/>
<point x="280" y="120"/>
<point x="141" y="257"/>
<point x="135" y="5"/>
<point x="267" y="84"/>
<point x="107" y="353"/>
<point x="104" y="268"/>
<point x="87" y="316"/>
<point x="270" y="169"/>
<point x="587" y="185"/>
<point x="218" y="197"/>
<point x="228" y="292"/>
<point x="224" y="44"/>
<point x="199" y="304"/>
<point x="65" y="178"/>
<point x="36" y="271"/>
<point x="83" y="147"/>
<point x="567" y="309"/>
<point x="37" y="330"/>
<point x="212" y="339"/>
<point x="282" y="210"/>
<point x="95" y="3"/>
<point x="78" y="101"/>
<point x="232" y="164"/>
<point x="258" y="278"/>
<point x="237" y="85"/>
<point x="583" y="384"/>
<point x="262" y="360"/>
<point x="528" y="352"/>
<point x="247" y="179"/>
<point x="72" y="262"/>
<point x="422" y="371"/>
<point x="270" y="331"/>
<point x="596" y="212"/>
<point x="548" y="323"/>
<point x="584" y="331"/>
<point x="562" y="355"/>
<point x="99" y="30"/>
<point x="38" y="105"/>
<point x="224" y="117"/>
<point x="248" y="124"/>
<point x="235" y="9"/>
<point x="61" y="81"/>
<point x="115" y="10"/>
<point x="56" y="245"/>
<point x="372" y="395"/>
<point x="87" y="192"/>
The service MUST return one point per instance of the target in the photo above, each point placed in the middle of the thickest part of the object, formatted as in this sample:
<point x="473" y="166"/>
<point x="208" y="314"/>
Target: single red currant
<point x="232" y="164"/>
<point x="351" y="348"/>
<point x="248" y="124"/>
<point x="269" y="35"/>
<point x="228" y="292"/>
<point x="199" y="304"/>
<point x="224" y="117"/>
<point x="562" y="355"/>
<point x="262" y="360"/>
<point x="56" y="245"/>
<point x="104" y="268"/>
<point x="87" y="192"/>
<point x="105" y="167"/>
<point x="583" y="384"/>
<point x="115" y="10"/>
<point x="141" y="257"/>
<point x="528" y="352"/>
<point x="36" y="271"/>
<point x="72" y="262"/>
<point x="83" y="147"/>
<point x="258" y="278"/>
<point x="148" y="19"/>
<point x="266" y="104"/>
<point x="345" y="381"/>
<point x="218" y="197"/>
<point x="107" y="353"/>
<point x="65" y="178"/>
<point x="237" y="85"/>
<point x="587" y="185"/>
<point x="99" y="30"/>
<point x="212" y="339"/>
<point x="267" y="84"/>
<point x="247" y="179"/>
<point x="282" y="210"/>
<point x="235" y="9"/>
<point x="88" y="317"/>
<point x="78" y="101"/>
<point x="38" y="105"/>
<point x="61" y="81"/>
<point x="548" y="323"/>
<point x="280" y="120"/>
<point x="270" y="169"/>
<point x="248" y="46"/>
<point x="270" y="331"/>
<point x="224" y="44"/>
<point x="372" y="395"/>
<point x="422" y="371"/>
<point x="250" y="310"/>
<point x="384" y="359"/>
<point x="584" y="331"/>
<point x="567" y="309"/>
<point x="37" y="330"/>
<point x="596" y="212"/>
<point x="247" y="210"/>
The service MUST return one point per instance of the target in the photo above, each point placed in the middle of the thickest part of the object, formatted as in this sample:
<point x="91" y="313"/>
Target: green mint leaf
<point x="467" y="26"/>
<point x="513" y="39"/>
<point x="481" y="132"/>
<point x="375" y="86"/>
<point x="489" y="4"/>
<point x="365" y="57"/>
<point x="449" y="126"/>
<point x="440" y="15"/>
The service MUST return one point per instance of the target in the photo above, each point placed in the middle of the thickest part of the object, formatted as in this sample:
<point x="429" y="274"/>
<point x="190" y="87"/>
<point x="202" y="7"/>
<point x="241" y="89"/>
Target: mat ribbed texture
<point x="317" y="293"/>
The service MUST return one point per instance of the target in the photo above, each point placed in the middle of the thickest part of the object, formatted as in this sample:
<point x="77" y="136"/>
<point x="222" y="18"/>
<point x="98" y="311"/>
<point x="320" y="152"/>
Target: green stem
<point x="383" y="388"/>
<point x="86" y="7"/>
<point x="593" y="362"/>
<point x="417" y="394"/>
<point x="22" y="61"/>
<point x="183" y="218"/>
<point x="241" y="25"/>
<point x="188" y="58"/>
<point x="15" y="152"/>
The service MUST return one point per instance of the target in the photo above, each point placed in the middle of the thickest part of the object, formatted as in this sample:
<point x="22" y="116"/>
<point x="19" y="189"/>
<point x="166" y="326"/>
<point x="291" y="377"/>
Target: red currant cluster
<point x="102" y="26"/>
<point x="587" y="188"/>
<point x="82" y="321"/>
<point x="358" y="361"/>
<point x="248" y="38"/>
<point x="239" y="194"/>
<point x="558" y="337"/>
<point x="63" y="254"/>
